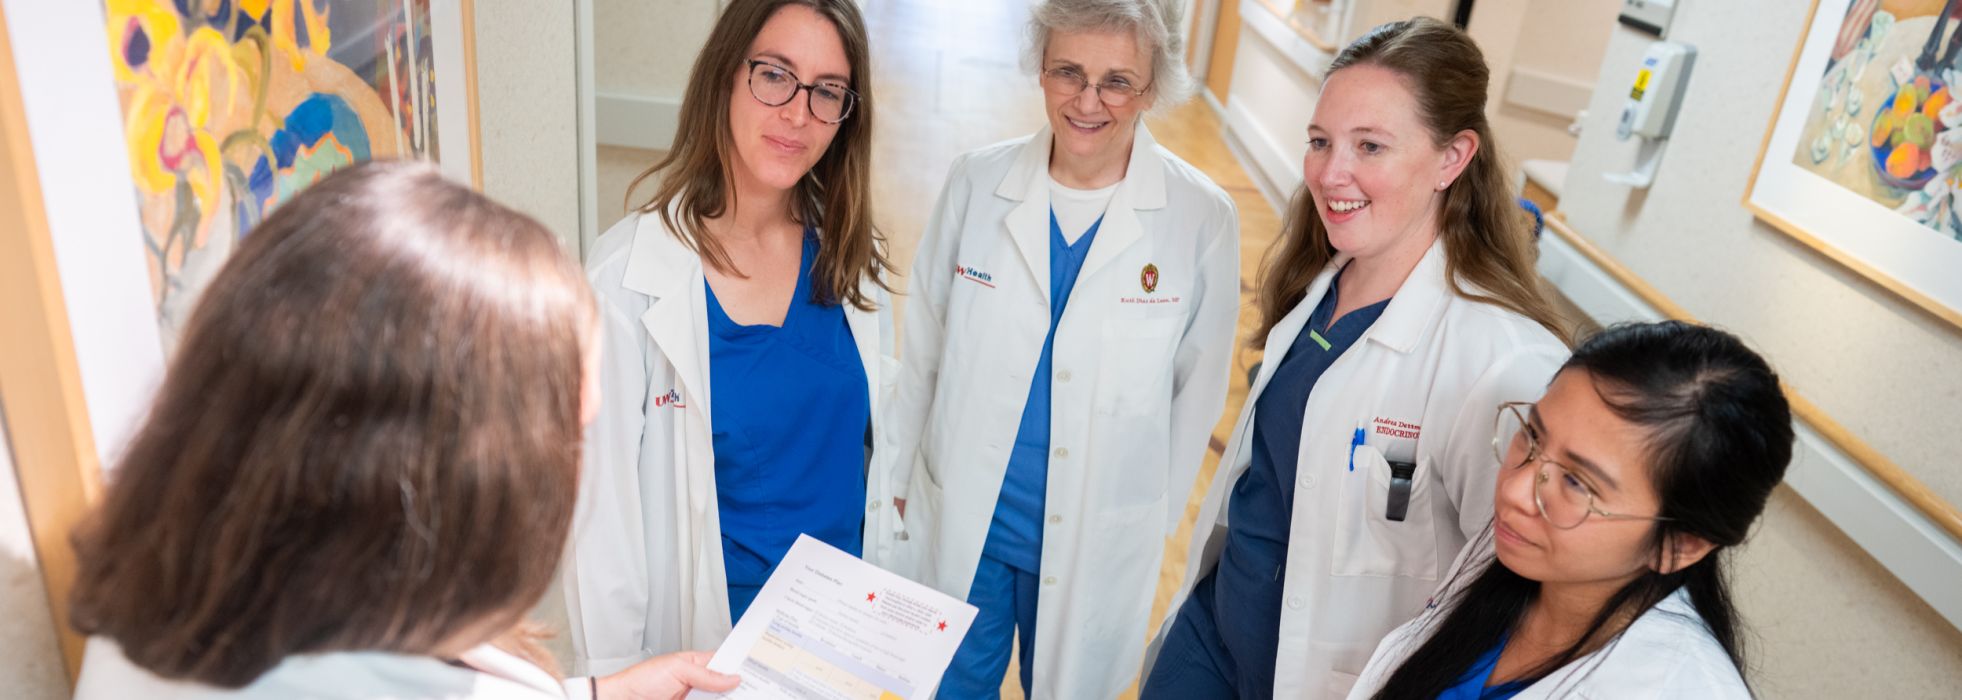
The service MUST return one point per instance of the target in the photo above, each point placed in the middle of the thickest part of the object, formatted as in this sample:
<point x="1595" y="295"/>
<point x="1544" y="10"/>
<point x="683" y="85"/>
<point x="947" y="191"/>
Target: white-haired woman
<point x="1065" y="357"/>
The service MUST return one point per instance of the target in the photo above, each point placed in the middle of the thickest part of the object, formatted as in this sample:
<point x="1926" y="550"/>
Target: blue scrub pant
<point x="1193" y="664"/>
<point x="1006" y="597"/>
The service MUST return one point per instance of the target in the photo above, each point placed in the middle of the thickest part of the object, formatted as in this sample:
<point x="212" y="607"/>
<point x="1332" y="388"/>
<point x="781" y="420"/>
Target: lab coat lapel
<point x="671" y="274"/>
<point x="1290" y="326"/>
<point x="1418" y="304"/>
<point x="1028" y="223"/>
<point x="1142" y="188"/>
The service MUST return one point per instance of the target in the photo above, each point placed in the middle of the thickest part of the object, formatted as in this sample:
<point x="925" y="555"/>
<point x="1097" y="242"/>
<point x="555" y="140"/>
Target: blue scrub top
<point x="1015" y="536"/>
<point x="1474" y="684"/>
<point x="1247" y="594"/>
<point x="790" y="412"/>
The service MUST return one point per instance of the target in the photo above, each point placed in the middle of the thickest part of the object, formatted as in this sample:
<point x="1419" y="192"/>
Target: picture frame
<point x="232" y="108"/>
<point x="1849" y="170"/>
<point x="85" y="339"/>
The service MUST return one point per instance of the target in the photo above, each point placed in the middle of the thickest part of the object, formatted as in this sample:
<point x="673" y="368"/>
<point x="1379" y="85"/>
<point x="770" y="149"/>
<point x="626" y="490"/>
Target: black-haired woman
<point x="1602" y="574"/>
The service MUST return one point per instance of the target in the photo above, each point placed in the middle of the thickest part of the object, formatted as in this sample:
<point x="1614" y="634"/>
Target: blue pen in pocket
<point x="1354" y="443"/>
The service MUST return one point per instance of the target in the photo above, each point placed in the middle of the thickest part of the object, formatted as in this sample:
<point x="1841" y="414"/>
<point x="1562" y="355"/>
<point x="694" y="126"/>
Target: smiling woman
<point x="1101" y="271"/>
<point x="1398" y="310"/>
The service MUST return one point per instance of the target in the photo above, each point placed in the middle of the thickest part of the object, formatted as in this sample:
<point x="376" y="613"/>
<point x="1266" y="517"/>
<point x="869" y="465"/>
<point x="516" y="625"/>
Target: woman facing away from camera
<point x="360" y="471"/>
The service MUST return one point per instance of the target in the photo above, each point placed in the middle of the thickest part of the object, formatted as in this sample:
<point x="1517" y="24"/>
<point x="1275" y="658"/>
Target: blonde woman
<point x="743" y="308"/>
<point x="1399" y="310"/>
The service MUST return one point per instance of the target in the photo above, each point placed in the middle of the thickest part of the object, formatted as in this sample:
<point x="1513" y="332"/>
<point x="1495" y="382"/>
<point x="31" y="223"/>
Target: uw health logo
<point x="972" y="275"/>
<point x="1148" y="278"/>
<point x="672" y="399"/>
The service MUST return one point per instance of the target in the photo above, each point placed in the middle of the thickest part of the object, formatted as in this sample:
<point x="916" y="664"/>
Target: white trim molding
<point x="637" y="121"/>
<point x="1276" y="32"/>
<point x="1895" y="533"/>
<point x="1277" y="174"/>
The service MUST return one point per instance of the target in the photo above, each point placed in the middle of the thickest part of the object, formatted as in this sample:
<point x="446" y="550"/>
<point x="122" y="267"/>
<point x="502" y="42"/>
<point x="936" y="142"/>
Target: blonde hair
<point x="1487" y="243"/>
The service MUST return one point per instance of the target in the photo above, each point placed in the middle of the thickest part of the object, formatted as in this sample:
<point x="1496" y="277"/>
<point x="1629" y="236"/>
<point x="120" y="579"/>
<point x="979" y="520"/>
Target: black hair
<point x="1719" y="439"/>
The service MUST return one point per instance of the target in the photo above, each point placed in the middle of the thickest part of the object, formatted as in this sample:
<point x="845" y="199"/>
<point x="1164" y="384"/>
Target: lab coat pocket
<point x="1367" y="541"/>
<point x="1126" y="555"/>
<point x="913" y="555"/>
<point x="1134" y="377"/>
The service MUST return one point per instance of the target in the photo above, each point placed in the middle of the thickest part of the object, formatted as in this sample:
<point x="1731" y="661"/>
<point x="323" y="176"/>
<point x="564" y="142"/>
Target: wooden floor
<point x="947" y="79"/>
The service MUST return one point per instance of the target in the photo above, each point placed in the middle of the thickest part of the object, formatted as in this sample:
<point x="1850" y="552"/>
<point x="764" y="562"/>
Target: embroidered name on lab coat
<point x="1396" y="428"/>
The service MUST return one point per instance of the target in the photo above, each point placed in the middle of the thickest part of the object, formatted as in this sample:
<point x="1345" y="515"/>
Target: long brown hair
<point x="695" y="178"/>
<point x="367" y="440"/>
<point x="1489" y="251"/>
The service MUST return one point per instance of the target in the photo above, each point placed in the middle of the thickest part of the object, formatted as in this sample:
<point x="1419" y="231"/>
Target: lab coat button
<point x="1307" y="481"/>
<point x="874" y="506"/>
<point x="1294" y="603"/>
<point x="1063" y="376"/>
<point x="1062" y="453"/>
<point x="1053" y="519"/>
<point x="1050" y="581"/>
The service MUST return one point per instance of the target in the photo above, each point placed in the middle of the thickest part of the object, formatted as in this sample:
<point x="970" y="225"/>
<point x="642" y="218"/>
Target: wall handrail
<point x="1307" y="33"/>
<point x="1904" y="484"/>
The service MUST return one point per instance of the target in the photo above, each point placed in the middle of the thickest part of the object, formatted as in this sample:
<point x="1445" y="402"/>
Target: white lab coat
<point x="1423" y="383"/>
<point x="1139" y="380"/>
<point x="488" y="673"/>
<point x="644" y="575"/>
<point x="1666" y="653"/>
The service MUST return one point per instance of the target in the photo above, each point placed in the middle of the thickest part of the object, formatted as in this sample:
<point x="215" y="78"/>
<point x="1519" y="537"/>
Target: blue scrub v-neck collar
<point x="719" y="319"/>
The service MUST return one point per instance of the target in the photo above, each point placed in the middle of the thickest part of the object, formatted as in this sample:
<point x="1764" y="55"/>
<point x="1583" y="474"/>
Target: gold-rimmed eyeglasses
<point x="1115" y="91"/>
<point x="1516" y="442"/>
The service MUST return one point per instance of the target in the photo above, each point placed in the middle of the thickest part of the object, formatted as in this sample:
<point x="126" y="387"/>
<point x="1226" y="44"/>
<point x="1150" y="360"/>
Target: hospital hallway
<point x="947" y="78"/>
<point x="233" y="389"/>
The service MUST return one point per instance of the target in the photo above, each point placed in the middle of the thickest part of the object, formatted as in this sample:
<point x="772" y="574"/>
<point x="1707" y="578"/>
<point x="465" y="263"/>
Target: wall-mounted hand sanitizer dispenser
<point x="1649" y="112"/>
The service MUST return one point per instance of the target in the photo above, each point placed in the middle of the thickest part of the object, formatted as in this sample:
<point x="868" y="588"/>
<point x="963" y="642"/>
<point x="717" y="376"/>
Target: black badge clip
<point x="1401" y="474"/>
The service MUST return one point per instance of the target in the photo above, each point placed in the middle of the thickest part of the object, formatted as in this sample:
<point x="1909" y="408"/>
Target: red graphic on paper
<point x="869" y="597"/>
<point x="943" y="625"/>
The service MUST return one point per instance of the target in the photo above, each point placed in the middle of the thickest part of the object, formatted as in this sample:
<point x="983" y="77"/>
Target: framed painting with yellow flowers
<point x="232" y="106"/>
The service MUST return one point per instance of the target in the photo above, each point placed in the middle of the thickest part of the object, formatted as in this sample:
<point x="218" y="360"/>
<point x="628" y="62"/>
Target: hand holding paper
<point x="829" y="626"/>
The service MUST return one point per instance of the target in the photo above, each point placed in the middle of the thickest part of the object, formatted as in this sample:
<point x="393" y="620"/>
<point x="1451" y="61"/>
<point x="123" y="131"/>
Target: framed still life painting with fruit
<point x="1863" y="160"/>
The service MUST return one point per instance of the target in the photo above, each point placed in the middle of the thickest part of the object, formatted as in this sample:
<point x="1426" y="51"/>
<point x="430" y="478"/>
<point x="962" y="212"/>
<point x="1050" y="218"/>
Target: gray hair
<point x="1155" y="22"/>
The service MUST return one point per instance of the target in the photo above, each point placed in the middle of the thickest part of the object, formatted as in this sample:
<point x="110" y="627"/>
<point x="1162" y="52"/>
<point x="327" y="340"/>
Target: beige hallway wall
<point x="1827" y="620"/>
